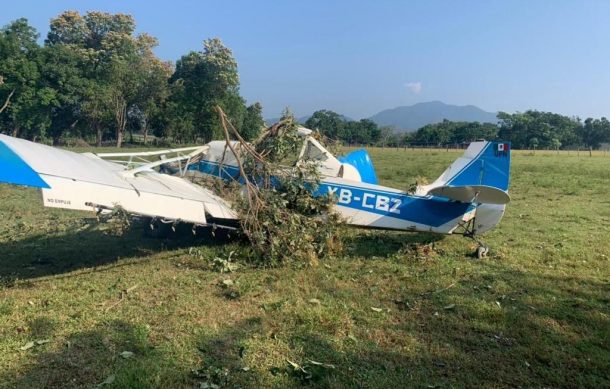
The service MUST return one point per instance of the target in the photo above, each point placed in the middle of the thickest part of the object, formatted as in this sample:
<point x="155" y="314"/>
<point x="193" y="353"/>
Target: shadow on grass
<point x="51" y="254"/>
<point x="534" y="331"/>
<point x="507" y="327"/>
<point x="547" y="331"/>
<point x="383" y="244"/>
<point x="117" y="352"/>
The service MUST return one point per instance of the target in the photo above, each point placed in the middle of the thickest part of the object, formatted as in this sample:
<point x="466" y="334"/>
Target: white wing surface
<point x="86" y="182"/>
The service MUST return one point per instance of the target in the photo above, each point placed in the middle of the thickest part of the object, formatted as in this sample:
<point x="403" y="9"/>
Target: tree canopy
<point x="528" y="130"/>
<point x="95" y="78"/>
<point x="334" y="126"/>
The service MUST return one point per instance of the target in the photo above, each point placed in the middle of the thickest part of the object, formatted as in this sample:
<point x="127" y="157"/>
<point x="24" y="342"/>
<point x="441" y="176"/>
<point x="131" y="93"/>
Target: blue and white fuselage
<point x="473" y="189"/>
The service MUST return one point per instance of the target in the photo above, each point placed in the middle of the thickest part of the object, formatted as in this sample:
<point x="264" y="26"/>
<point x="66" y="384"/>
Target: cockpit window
<point x="314" y="153"/>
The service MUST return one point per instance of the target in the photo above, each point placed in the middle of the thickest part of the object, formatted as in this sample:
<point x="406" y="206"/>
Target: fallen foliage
<point x="280" y="216"/>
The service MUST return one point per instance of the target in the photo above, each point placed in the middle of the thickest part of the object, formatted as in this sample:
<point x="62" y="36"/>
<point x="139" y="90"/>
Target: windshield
<point x="314" y="153"/>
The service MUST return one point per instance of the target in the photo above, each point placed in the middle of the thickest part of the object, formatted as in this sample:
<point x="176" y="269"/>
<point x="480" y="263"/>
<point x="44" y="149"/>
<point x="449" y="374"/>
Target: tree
<point x="437" y="134"/>
<point x="253" y="122"/>
<point x="95" y="107"/>
<point x="122" y="71"/>
<point x="555" y="144"/>
<point x="329" y="123"/>
<point x="594" y="132"/>
<point x="25" y="97"/>
<point x="205" y="79"/>
<point x="455" y="132"/>
<point x="62" y="71"/>
<point x="153" y="90"/>
<point x="385" y="135"/>
<point x="545" y="127"/>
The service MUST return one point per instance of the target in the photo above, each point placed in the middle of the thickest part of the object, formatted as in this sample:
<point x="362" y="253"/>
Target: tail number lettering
<point x="385" y="204"/>
<point x="344" y="196"/>
<point x="368" y="200"/>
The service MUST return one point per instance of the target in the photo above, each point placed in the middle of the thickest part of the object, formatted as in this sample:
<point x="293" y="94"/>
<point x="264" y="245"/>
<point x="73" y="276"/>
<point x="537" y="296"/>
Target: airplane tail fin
<point x="480" y="175"/>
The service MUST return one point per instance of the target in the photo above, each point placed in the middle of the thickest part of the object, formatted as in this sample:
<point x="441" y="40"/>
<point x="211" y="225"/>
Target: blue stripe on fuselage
<point x="432" y="211"/>
<point x="225" y="172"/>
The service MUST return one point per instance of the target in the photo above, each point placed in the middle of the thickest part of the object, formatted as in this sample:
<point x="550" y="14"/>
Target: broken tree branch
<point x="252" y="196"/>
<point x="8" y="99"/>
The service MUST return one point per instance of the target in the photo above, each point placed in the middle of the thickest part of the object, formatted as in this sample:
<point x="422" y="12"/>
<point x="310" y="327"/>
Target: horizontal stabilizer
<point x="472" y="194"/>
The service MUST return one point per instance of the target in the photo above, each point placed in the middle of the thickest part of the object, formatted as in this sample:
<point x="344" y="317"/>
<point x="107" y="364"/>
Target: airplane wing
<point x="87" y="182"/>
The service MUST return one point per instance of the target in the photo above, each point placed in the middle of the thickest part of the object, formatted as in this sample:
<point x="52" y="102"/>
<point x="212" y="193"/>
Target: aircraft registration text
<point x="367" y="200"/>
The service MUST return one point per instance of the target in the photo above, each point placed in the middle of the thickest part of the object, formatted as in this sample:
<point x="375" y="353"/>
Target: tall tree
<point x="594" y="132"/>
<point x="62" y="71"/>
<point x="253" y="122"/>
<point x="546" y="128"/>
<point x="206" y="79"/>
<point x="122" y="70"/>
<point x="329" y="123"/>
<point x="20" y="70"/>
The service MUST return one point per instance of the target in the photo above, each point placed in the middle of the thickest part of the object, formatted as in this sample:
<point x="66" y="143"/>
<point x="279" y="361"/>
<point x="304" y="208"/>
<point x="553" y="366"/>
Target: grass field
<point x="399" y="309"/>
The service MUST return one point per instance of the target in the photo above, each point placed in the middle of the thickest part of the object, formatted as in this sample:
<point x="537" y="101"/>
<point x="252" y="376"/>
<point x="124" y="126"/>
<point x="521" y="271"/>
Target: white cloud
<point x="414" y="87"/>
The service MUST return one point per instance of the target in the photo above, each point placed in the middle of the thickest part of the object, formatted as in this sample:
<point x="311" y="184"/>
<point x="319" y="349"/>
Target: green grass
<point x="399" y="309"/>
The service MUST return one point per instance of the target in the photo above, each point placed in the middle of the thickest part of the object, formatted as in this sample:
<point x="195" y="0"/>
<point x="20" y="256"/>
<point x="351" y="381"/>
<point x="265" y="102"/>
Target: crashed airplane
<point x="468" y="198"/>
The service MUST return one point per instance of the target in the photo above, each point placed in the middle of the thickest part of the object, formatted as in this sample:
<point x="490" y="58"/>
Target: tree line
<point x="94" y="78"/>
<point x="528" y="130"/>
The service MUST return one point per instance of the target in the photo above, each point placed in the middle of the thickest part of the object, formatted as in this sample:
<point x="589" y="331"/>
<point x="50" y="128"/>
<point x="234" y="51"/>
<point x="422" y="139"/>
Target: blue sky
<point x="359" y="57"/>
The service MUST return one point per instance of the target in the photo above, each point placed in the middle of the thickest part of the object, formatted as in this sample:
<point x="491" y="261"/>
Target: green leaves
<point x="126" y="354"/>
<point x="27" y="346"/>
<point x="201" y="81"/>
<point x="34" y="343"/>
<point x="279" y="214"/>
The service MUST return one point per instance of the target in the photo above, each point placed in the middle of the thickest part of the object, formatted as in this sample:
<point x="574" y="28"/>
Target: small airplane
<point x="468" y="198"/>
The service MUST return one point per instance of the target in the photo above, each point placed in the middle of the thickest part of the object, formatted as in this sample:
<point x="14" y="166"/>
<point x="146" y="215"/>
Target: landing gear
<point x="216" y="229"/>
<point x="469" y="231"/>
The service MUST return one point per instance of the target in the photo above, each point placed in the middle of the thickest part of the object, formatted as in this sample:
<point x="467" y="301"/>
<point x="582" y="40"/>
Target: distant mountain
<point x="412" y="117"/>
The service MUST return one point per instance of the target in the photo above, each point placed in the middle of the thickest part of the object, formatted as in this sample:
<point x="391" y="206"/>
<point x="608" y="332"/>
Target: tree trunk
<point x="7" y="101"/>
<point x="119" y="138"/>
<point x="98" y="134"/>
<point x="15" y="133"/>
<point x="120" y="116"/>
<point x="145" y="130"/>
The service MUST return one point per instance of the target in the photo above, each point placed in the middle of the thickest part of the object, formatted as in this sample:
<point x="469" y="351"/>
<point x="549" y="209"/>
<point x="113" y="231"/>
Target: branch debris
<point x="279" y="214"/>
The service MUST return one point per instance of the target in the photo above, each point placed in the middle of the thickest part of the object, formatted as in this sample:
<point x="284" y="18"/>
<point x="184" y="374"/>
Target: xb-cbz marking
<point x="368" y="200"/>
